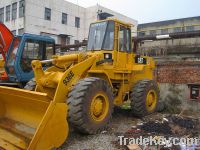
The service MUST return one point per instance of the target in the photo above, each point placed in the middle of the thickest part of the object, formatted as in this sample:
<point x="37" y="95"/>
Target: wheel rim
<point x="151" y="100"/>
<point x="99" y="107"/>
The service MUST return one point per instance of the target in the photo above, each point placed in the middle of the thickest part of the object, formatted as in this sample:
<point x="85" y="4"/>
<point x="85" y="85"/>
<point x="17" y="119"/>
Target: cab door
<point x="124" y="47"/>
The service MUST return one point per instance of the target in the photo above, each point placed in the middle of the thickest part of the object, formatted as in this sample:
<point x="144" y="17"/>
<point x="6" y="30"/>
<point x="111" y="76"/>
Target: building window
<point x="21" y="31"/>
<point x="21" y="8"/>
<point x="2" y="14"/>
<point x="194" y="92"/>
<point x="142" y="33"/>
<point x="178" y="29"/>
<point x="77" y="22"/>
<point x="190" y="28"/>
<point x="8" y="13"/>
<point x="64" y="18"/>
<point x="47" y="14"/>
<point x="14" y="11"/>
<point x="153" y="32"/>
<point x="164" y="31"/>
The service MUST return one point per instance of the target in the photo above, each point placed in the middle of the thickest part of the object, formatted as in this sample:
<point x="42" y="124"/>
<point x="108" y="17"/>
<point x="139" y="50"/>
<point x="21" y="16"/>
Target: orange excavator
<point x="5" y="41"/>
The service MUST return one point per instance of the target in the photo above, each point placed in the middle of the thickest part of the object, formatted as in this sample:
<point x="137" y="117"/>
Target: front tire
<point x="144" y="98"/>
<point x="90" y="105"/>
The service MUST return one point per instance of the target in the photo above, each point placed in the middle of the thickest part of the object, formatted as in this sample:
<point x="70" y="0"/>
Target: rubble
<point x="165" y="126"/>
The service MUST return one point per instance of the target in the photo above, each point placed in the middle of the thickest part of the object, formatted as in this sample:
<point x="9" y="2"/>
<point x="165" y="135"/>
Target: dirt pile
<point x="172" y="126"/>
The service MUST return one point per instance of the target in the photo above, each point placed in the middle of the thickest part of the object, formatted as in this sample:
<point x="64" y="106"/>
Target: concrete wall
<point x="177" y="95"/>
<point x="35" y="22"/>
<point x="12" y="24"/>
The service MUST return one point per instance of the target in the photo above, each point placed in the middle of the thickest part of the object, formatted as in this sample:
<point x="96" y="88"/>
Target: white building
<point x="65" y="21"/>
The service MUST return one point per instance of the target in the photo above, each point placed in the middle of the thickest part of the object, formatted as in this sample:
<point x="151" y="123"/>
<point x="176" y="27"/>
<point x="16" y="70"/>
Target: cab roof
<point x="37" y="37"/>
<point x="118" y="21"/>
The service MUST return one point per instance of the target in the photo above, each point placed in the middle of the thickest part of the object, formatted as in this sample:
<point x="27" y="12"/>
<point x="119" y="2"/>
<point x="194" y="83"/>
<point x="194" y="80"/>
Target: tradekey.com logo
<point x="155" y="140"/>
<point x="158" y="140"/>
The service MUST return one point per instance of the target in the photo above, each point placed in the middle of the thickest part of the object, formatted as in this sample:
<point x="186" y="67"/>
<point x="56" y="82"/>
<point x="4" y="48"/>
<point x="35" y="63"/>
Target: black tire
<point x="139" y="97"/>
<point x="31" y="85"/>
<point x="79" y="101"/>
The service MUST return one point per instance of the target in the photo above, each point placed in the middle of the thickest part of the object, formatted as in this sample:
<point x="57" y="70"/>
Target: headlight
<point x="107" y="56"/>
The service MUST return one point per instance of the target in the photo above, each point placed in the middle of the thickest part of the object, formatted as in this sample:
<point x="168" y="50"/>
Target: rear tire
<point x="144" y="98"/>
<point x="90" y="105"/>
<point x="31" y="85"/>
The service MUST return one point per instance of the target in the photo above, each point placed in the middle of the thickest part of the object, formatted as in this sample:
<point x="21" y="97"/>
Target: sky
<point x="145" y="11"/>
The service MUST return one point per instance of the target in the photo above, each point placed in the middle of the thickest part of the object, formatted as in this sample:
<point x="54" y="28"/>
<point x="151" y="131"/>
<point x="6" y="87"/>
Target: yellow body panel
<point x="2" y="66"/>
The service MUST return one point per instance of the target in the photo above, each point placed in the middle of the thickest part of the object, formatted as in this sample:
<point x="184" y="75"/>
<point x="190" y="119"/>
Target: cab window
<point x="13" y="53"/>
<point x="101" y="36"/>
<point x="33" y="50"/>
<point x="49" y="50"/>
<point x="124" y="39"/>
<point x="108" y="43"/>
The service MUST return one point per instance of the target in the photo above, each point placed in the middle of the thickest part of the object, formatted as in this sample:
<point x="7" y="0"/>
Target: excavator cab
<point x="18" y="52"/>
<point x="23" y="50"/>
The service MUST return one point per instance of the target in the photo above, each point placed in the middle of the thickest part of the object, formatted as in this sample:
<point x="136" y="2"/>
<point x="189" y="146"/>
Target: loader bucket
<point x="31" y="120"/>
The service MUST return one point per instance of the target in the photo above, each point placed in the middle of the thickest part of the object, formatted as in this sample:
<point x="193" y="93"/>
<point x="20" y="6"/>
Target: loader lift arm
<point x="57" y="84"/>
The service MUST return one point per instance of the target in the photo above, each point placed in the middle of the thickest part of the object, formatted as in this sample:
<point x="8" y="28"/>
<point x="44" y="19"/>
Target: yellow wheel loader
<point x="82" y="88"/>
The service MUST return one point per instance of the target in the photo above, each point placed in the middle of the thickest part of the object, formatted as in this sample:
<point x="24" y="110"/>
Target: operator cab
<point x="23" y="50"/>
<point x="113" y="37"/>
<point x="102" y="35"/>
